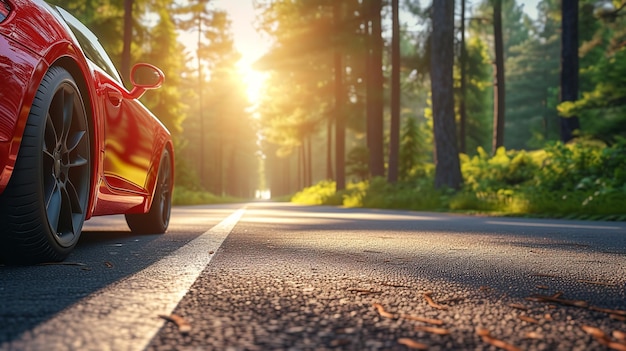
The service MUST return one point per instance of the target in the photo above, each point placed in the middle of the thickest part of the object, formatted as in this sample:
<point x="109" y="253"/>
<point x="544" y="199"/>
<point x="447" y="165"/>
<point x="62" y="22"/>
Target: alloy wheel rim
<point x="65" y="164"/>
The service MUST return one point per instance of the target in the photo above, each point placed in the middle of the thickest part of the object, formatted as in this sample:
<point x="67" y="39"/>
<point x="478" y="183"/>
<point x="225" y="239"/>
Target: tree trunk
<point x="301" y="167"/>
<point x="309" y="162"/>
<point x="462" y="105"/>
<point x="569" y="65"/>
<point x="447" y="168"/>
<point x="340" y="123"/>
<point x="375" y="91"/>
<point x="394" y="137"/>
<point x="498" y="98"/>
<point x="329" y="147"/>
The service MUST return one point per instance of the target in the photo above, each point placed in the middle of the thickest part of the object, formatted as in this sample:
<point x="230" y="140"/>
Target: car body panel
<point x="127" y="139"/>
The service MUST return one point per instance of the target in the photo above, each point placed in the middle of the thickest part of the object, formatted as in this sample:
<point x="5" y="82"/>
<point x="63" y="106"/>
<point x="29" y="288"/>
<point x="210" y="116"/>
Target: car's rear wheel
<point x="157" y="219"/>
<point x="43" y="208"/>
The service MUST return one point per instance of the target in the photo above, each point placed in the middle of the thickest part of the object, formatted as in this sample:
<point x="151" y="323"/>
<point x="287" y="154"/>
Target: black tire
<point x="43" y="208"/>
<point x="157" y="219"/>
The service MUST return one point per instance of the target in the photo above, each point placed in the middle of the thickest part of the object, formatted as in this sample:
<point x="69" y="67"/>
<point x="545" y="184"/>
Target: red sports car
<point x="74" y="142"/>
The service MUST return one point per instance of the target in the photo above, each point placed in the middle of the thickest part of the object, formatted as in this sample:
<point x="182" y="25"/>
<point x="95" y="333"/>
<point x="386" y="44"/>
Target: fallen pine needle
<point x="395" y="285"/>
<point x="543" y="287"/>
<point x="381" y="311"/>
<point x="555" y="298"/>
<point x="432" y="303"/>
<point x="528" y="319"/>
<point x="608" y="310"/>
<point x="432" y="330"/>
<point x="617" y="317"/>
<point x="108" y="264"/>
<point x="412" y="344"/>
<point x="422" y="319"/>
<point x="619" y="335"/>
<point x="363" y="291"/>
<point x="595" y="332"/>
<point x="501" y="344"/>
<point x="183" y="326"/>
<point x="518" y="306"/>
<point x="482" y="332"/>
<point x="533" y="335"/>
<point x="486" y="336"/>
<point x="616" y="346"/>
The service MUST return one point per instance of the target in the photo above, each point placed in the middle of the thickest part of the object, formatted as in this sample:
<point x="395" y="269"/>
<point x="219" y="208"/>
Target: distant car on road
<point x="74" y="142"/>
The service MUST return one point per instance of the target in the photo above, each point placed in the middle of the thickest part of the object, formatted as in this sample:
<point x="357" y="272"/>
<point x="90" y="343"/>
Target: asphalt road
<point x="268" y="276"/>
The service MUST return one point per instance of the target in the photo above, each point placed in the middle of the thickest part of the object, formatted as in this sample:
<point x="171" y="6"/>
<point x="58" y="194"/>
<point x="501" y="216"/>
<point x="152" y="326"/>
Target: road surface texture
<point x="268" y="276"/>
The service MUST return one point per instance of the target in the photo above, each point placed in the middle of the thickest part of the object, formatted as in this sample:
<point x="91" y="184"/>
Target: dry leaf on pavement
<point x="183" y="326"/>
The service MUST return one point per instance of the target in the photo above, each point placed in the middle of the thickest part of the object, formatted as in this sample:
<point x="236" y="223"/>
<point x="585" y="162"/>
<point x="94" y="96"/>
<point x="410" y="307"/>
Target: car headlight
<point x="5" y="9"/>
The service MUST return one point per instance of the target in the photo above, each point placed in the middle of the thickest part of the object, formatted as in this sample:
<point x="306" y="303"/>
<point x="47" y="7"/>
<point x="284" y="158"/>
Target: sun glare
<point x="253" y="81"/>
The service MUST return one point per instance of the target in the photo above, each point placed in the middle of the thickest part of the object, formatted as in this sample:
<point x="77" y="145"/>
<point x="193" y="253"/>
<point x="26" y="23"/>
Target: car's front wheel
<point x="157" y="219"/>
<point x="43" y="208"/>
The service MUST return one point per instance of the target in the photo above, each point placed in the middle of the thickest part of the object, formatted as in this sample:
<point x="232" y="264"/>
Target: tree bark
<point x="499" y="95"/>
<point x="447" y="167"/>
<point x="569" y="65"/>
<point x="394" y="137"/>
<point x="463" y="95"/>
<point x="375" y="92"/>
<point x="340" y="123"/>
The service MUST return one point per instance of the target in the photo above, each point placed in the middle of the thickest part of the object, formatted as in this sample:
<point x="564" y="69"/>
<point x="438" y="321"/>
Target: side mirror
<point x="145" y="76"/>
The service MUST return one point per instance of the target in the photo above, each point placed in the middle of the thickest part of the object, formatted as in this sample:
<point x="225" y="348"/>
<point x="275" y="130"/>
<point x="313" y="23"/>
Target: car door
<point x="126" y="128"/>
<point x="129" y="136"/>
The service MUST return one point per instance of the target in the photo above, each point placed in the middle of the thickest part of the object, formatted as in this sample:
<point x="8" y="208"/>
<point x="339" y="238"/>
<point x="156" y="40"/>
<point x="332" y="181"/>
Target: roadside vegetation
<point x="583" y="180"/>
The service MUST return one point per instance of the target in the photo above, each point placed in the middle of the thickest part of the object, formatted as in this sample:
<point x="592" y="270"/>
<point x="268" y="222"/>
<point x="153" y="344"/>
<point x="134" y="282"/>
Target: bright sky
<point x="248" y="42"/>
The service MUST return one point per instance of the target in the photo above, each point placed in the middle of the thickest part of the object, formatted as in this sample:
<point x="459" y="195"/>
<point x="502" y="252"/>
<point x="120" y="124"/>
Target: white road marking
<point x="573" y="226"/>
<point x="125" y="315"/>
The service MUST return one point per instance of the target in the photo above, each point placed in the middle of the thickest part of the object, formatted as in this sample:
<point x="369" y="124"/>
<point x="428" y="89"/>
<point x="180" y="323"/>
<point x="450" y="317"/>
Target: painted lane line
<point x="125" y="315"/>
<point x="551" y="225"/>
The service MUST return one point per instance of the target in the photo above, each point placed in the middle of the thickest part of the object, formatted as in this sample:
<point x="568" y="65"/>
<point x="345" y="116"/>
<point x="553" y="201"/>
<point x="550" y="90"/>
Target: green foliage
<point x="165" y="102"/>
<point x="582" y="178"/>
<point x="184" y="196"/>
<point x="483" y="173"/>
<point x="323" y="193"/>
<point x="579" y="180"/>
<point x="357" y="163"/>
<point x="479" y="94"/>
<point x="376" y="193"/>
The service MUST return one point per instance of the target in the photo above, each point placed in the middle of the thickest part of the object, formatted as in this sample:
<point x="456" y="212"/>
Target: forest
<point x="446" y="105"/>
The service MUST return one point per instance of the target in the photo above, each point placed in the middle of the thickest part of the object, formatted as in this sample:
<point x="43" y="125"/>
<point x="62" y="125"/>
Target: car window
<point x="90" y="45"/>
